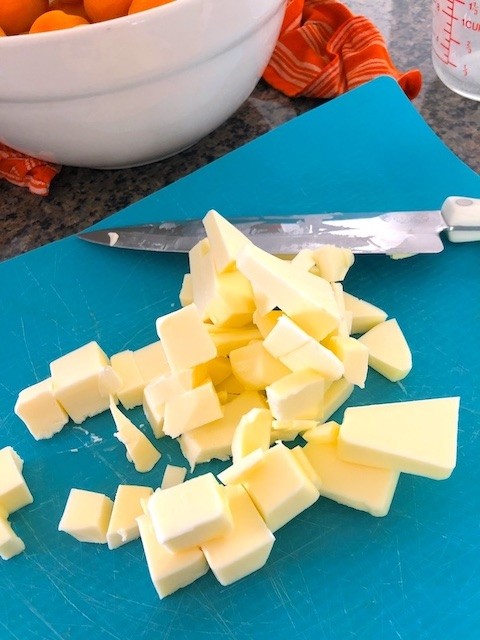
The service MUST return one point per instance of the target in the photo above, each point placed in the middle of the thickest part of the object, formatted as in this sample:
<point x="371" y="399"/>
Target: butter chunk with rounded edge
<point x="77" y="382"/>
<point x="246" y="547"/>
<point x="185" y="339"/>
<point x="140" y="450"/>
<point x="388" y="351"/>
<point x="362" y="487"/>
<point x="298" y="396"/>
<point x="14" y="492"/>
<point x="37" y="407"/>
<point x="127" y="507"/>
<point x="169" y="571"/>
<point x="191" y="409"/>
<point x="10" y="544"/>
<point x="190" y="513"/>
<point x="86" y="516"/>
<point x="279" y="487"/>
<point x="417" y="436"/>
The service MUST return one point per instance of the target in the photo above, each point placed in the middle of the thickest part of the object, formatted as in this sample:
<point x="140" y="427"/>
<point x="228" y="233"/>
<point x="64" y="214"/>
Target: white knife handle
<point x="458" y="212"/>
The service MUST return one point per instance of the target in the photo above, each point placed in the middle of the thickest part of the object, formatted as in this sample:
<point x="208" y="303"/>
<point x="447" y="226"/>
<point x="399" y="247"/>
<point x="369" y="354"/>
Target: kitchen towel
<point x="323" y="50"/>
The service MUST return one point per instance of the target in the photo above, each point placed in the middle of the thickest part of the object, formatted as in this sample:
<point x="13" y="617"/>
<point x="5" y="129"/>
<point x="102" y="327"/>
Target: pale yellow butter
<point x="151" y="361"/>
<point x="418" y="436"/>
<point x="172" y="476"/>
<point x="297" y="396"/>
<point x="252" y="432"/>
<point x="14" y="492"/>
<point x="132" y="384"/>
<point x="226" y="241"/>
<point x="77" y="382"/>
<point x="364" y="314"/>
<point x="186" y="291"/>
<point x="190" y="513"/>
<point x="325" y="433"/>
<point x="191" y="409"/>
<point x="246" y="547"/>
<point x="353" y="354"/>
<point x="39" y="410"/>
<point x="169" y="571"/>
<point x="307" y="299"/>
<point x="279" y="487"/>
<point x="227" y="339"/>
<point x="10" y="544"/>
<point x="362" y="487"/>
<point x="86" y="516"/>
<point x="266" y="322"/>
<point x="333" y="262"/>
<point x="214" y="440"/>
<point x="239" y="470"/>
<point x="255" y="367"/>
<point x="140" y="450"/>
<point x="335" y="396"/>
<point x="388" y="351"/>
<point x="127" y="507"/>
<point x="185" y="338"/>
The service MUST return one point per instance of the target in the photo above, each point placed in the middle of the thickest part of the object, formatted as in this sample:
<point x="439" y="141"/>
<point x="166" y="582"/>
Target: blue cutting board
<point x="334" y="572"/>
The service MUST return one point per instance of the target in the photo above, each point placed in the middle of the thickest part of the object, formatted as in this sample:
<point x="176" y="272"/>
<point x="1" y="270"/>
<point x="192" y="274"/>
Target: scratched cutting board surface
<point x="334" y="572"/>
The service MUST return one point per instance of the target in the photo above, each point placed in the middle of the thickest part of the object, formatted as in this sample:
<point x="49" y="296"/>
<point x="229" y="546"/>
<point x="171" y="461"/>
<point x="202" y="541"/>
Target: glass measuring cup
<point x="456" y="45"/>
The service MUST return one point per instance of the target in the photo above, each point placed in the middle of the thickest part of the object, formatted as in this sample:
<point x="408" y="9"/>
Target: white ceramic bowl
<point x="135" y="89"/>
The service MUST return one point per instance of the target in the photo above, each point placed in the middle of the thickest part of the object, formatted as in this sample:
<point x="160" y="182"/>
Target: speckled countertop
<point x="80" y="197"/>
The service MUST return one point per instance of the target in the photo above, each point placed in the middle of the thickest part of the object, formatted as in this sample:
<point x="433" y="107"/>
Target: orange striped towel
<point x="25" y="171"/>
<point x="324" y="50"/>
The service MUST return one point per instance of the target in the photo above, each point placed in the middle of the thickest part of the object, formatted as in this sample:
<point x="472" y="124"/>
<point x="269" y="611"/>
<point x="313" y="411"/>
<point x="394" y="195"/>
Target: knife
<point x="398" y="233"/>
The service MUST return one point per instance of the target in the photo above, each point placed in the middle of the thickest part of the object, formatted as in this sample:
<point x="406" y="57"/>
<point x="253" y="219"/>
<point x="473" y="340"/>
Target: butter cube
<point x="298" y="396"/>
<point x="238" y="471"/>
<point x="14" y="492"/>
<point x="246" y="547"/>
<point x="157" y="392"/>
<point x="132" y="384"/>
<point x="307" y="299"/>
<point x="217" y="370"/>
<point x="86" y="516"/>
<point x="42" y="414"/>
<point x="77" y="382"/>
<point x="172" y="476"/>
<point x="151" y="361"/>
<point x="227" y="339"/>
<point x="353" y="354"/>
<point x="362" y="487"/>
<point x="336" y="395"/>
<point x="388" y="351"/>
<point x="255" y="367"/>
<point x="127" y="507"/>
<point x="307" y="468"/>
<point x="169" y="570"/>
<point x="333" y="262"/>
<point x="185" y="339"/>
<point x="297" y="350"/>
<point x="252" y="432"/>
<point x="226" y="241"/>
<point x="190" y="513"/>
<point x="10" y="544"/>
<point x="279" y="487"/>
<point x="191" y="409"/>
<point x="140" y="450"/>
<point x="418" y="437"/>
<point x="364" y="314"/>
<point x="214" y="440"/>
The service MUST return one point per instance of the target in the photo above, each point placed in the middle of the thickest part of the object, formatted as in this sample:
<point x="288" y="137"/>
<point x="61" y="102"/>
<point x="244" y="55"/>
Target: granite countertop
<point x="81" y="197"/>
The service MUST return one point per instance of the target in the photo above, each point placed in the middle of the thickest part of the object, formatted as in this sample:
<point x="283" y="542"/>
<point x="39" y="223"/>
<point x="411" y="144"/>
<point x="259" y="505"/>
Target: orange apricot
<point x="17" y="16"/>
<point x="56" y="20"/>
<point x="143" y="5"/>
<point x="73" y="8"/>
<point x="100" y="10"/>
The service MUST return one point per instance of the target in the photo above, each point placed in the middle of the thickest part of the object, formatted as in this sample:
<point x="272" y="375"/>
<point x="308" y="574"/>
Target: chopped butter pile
<point x="14" y="494"/>
<point x="262" y="350"/>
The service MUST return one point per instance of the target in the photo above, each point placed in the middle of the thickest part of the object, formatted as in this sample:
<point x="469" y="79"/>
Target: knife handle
<point x="462" y="216"/>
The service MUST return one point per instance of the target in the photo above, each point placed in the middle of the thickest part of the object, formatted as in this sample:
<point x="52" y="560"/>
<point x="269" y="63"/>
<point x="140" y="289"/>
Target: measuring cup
<point x="456" y="45"/>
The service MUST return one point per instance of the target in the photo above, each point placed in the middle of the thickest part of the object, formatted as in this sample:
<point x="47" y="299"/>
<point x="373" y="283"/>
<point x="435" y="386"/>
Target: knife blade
<point x="393" y="233"/>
